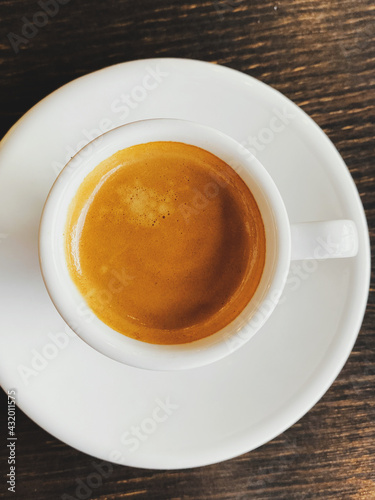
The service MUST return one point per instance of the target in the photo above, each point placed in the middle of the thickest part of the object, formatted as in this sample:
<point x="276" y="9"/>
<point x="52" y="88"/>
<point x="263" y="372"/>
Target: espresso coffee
<point x="165" y="242"/>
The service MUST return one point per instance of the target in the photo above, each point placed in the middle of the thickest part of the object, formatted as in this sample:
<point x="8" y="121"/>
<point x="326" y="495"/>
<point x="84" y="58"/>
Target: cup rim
<point x="83" y="321"/>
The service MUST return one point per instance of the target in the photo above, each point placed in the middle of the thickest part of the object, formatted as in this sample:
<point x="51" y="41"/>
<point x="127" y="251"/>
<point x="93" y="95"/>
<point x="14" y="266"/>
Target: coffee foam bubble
<point x="146" y="206"/>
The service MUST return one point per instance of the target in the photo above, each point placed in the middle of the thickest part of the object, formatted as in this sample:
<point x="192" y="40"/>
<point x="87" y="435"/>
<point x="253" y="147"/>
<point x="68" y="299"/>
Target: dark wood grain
<point x="321" y="54"/>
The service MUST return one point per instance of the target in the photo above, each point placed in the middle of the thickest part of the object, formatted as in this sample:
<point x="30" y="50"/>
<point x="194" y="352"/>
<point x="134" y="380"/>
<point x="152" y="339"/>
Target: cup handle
<point x="334" y="239"/>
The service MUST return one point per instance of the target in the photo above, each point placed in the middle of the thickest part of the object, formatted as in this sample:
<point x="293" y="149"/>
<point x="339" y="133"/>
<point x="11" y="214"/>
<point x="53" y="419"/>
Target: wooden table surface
<point x="320" y="54"/>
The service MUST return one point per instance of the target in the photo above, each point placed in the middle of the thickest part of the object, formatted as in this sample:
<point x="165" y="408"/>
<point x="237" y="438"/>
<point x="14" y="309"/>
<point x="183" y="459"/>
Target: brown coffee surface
<point x="165" y="242"/>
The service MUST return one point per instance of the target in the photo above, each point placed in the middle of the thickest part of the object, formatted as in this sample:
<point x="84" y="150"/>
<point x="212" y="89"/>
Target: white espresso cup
<point x="284" y="242"/>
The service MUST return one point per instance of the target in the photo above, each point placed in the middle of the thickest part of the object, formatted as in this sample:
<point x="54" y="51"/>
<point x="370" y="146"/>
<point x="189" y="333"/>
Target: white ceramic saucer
<point x="201" y="416"/>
